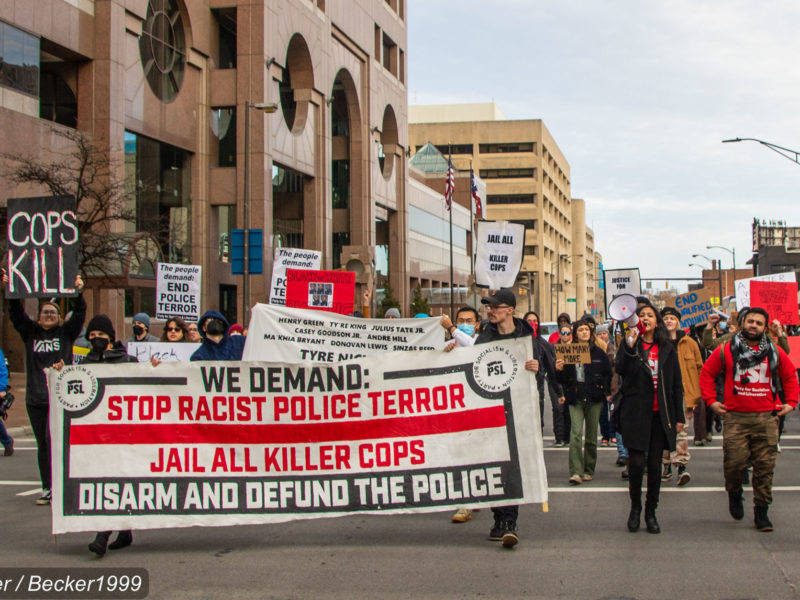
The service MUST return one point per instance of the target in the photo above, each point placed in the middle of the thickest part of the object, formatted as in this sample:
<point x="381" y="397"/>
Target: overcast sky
<point x="638" y="96"/>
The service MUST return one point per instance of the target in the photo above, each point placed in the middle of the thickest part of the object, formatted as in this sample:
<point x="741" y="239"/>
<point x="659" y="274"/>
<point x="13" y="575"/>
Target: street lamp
<point x="792" y="155"/>
<point x="719" y="271"/>
<point x="732" y="252"/>
<point x="267" y="108"/>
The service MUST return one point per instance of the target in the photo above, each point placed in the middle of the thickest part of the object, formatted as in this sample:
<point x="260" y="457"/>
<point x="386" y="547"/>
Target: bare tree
<point x="88" y="173"/>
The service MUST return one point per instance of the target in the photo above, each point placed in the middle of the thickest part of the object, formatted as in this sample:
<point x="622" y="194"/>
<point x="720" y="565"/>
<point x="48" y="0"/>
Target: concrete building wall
<point x="528" y="183"/>
<point x="357" y="48"/>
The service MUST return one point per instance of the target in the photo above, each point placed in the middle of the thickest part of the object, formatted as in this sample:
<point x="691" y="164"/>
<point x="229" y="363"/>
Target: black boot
<point x="635" y="517"/>
<point x="497" y="532"/>
<point x="98" y="546"/>
<point x="761" y="519"/>
<point x="124" y="538"/>
<point x="650" y="520"/>
<point x="736" y="504"/>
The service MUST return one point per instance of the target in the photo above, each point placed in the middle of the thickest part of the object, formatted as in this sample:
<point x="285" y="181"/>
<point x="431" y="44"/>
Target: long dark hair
<point x="660" y="334"/>
<point x="581" y="323"/>
<point x="181" y="324"/>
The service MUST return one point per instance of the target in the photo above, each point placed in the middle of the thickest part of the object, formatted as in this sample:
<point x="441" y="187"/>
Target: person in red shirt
<point x="759" y="385"/>
<point x="650" y="411"/>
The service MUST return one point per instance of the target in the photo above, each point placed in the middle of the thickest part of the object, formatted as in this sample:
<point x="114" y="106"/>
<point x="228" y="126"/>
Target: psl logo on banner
<point x="499" y="255"/>
<point x="42" y="258"/>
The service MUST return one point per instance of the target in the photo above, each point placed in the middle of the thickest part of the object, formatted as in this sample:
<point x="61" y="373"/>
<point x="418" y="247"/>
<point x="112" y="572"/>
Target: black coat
<point x="116" y="354"/>
<point x="636" y="408"/>
<point x="597" y="379"/>
<point x="44" y="347"/>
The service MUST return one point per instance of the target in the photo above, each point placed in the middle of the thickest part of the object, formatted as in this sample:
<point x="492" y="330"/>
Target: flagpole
<point x="471" y="221"/>
<point x="452" y="200"/>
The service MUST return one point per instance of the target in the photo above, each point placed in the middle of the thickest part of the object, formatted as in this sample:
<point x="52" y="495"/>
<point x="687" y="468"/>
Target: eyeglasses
<point x="496" y="306"/>
<point x="176" y="329"/>
<point x="49" y="313"/>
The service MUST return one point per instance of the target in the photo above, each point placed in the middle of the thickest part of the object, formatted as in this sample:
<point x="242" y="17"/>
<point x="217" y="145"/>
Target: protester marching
<point x="312" y="408"/>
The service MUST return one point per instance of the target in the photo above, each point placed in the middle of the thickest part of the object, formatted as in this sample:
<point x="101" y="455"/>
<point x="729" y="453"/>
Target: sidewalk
<point x="17" y="423"/>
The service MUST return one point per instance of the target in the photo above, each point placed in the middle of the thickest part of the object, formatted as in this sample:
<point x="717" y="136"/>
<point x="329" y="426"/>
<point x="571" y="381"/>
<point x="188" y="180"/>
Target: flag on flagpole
<point x="449" y="184"/>
<point x="475" y="194"/>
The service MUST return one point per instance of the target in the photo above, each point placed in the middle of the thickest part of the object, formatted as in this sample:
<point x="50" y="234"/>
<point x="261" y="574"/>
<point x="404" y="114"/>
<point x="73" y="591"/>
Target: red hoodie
<point x="754" y="396"/>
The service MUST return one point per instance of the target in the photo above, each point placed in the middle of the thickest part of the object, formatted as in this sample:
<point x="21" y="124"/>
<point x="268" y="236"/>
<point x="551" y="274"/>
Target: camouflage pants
<point x="750" y="436"/>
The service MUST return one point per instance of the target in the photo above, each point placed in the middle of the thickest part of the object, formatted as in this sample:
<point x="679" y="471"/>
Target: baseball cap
<point x="501" y="296"/>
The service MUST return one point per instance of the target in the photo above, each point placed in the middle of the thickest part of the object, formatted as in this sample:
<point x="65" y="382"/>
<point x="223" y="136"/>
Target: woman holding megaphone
<point x="650" y="410"/>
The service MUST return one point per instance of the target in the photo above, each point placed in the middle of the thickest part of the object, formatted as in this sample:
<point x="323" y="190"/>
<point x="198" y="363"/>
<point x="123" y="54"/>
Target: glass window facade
<point x="158" y="187"/>
<point x="511" y="199"/>
<point x="507" y="173"/>
<point x="435" y="227"/>
<point x="511" y="147"/>
<point x="19" y="60"/>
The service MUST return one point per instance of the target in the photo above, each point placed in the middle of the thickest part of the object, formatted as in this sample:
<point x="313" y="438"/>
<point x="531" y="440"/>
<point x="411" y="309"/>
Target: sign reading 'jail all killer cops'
<point x="499" y="253"/>
<point x="42" y="255"/>
<point x="235" y="443"/>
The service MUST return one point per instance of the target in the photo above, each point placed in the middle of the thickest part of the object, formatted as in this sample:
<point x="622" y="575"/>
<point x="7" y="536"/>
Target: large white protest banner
<point x="163" y="351"/>
<point x="499" y="253"/>
<point x="227" y="443"/>
<point x="178" y="291"/>
<point x="621" y="281"/>
<point x="289" y="258"/>
<point x="742" y="286"/>
<point x="284" y="334"/>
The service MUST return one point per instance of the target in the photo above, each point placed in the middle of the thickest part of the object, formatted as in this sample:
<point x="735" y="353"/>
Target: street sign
<point x="571" y="300"/>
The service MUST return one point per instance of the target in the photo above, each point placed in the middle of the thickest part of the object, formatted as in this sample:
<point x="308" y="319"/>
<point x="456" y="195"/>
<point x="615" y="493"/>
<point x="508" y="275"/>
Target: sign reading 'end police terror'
<point x="42" y="258"/>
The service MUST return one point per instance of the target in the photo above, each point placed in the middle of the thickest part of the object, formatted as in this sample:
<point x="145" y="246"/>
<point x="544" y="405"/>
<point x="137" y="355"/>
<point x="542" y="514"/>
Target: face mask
<point x="215" y="327"/>
<point x="466" y="328"/>
<point x="138" y="330"/>
<point x="99" y="344"/>
<point x="723" y="325"/>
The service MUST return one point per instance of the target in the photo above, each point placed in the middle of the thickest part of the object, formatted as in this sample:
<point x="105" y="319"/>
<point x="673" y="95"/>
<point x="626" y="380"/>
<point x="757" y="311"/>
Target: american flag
<point x="449" y="184"/>
<point x="475" y="195"/>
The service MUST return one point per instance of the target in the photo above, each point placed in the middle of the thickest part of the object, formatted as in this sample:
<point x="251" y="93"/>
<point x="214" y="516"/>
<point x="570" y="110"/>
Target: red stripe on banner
<point x="309" y="433"/>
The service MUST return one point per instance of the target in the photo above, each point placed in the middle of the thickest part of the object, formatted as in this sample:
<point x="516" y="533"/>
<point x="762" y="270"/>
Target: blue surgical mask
<point x="723" y="325"/>
<point x="466" y="328"/>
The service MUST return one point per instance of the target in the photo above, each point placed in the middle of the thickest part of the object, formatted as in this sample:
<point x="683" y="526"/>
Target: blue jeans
<point x="5" y="439"/>
<point x="622" y="451"/>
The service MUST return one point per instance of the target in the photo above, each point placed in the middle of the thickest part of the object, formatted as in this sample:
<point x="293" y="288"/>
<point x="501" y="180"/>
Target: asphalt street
<point x="579" y="549"/>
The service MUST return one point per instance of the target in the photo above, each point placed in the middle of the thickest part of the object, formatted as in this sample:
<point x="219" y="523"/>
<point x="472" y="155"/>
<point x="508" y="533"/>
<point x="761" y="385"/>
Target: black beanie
<point x="670" y="310"/>
<point x="101" y="323"/>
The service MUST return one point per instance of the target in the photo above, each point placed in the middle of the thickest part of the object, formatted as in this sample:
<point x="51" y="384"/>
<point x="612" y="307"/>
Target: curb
<point x="23" y="431"/>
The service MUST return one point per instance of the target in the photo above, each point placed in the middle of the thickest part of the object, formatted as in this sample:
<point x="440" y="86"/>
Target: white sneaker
<point x="44" y="499"/>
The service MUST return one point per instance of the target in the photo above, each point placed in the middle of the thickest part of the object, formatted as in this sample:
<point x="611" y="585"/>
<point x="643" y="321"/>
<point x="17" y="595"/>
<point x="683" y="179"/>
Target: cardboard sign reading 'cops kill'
<point x="499" y="255"/>
<point x="42" y="259"/>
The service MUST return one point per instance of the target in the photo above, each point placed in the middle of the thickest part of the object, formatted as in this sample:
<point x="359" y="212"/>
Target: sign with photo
<point x="333" y="291"/>
<point x="621" y="281"/>
<point x="178" y="291"/>
<point x="243" y="443"/>
<point x="289" y="258"/>
<point x="499" y="253"/>
<point x="42" y="247"/>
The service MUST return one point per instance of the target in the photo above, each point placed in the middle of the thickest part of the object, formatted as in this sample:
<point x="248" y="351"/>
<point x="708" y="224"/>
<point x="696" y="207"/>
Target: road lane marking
<point x="17" y="482"/>
<point x="30" y="492"/>
<point x="683" y="490"/>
